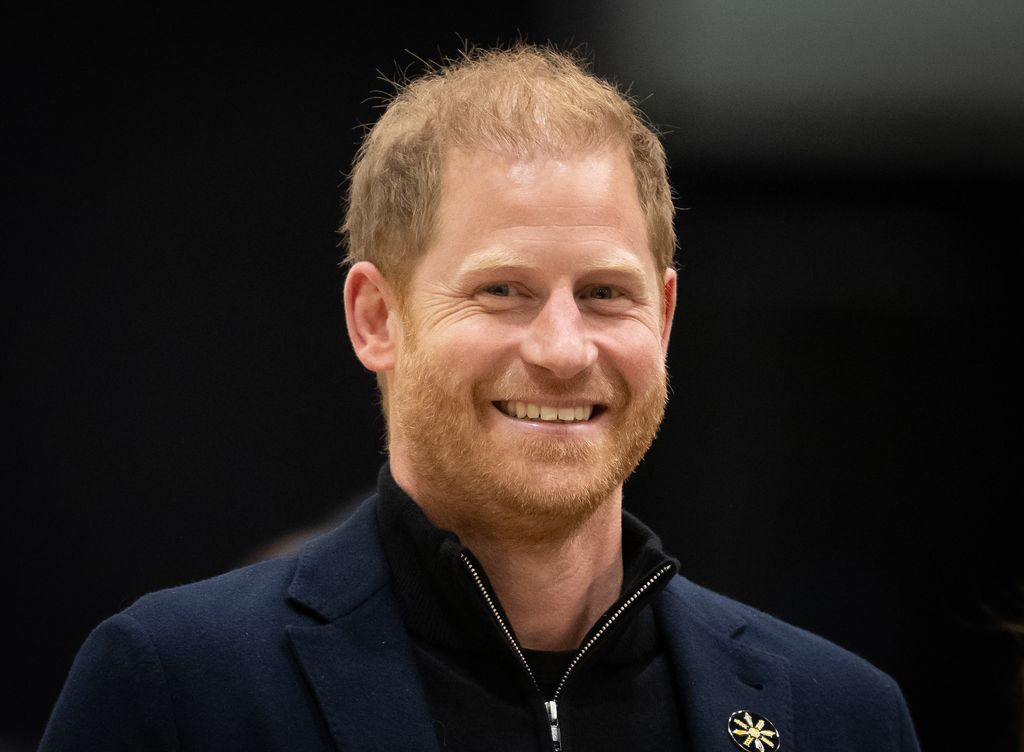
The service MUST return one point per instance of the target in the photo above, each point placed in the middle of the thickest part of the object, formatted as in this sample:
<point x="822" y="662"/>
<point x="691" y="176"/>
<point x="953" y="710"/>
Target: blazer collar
<point x="716" y="672"/>
<point x="359" y="662"/>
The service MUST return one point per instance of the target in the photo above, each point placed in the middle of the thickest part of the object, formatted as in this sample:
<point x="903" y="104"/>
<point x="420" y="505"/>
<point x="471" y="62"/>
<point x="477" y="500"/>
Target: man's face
<point x="530" y="375"/>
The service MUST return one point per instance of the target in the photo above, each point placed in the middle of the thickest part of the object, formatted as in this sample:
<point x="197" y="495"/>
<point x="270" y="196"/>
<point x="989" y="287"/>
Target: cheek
<point x="478" y="338"/>
<point x="635" y="350"/>
<point x="468" y="352"/>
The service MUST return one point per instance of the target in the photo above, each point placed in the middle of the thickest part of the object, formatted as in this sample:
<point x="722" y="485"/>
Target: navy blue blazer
<point x="309" y="653"/>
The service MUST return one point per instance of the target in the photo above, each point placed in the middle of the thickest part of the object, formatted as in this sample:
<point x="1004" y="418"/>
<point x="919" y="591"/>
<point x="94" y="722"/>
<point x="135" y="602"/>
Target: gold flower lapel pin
<point x="752" y="731"/>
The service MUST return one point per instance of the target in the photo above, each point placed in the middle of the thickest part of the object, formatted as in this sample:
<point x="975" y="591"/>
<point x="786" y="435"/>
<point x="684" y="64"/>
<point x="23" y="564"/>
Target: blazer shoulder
<point x="236" y="661"/>
<point x="256" y="591"/>
<point x="727" y="647"/>
<point x="329" y="574"/>
<point x="811" y="657"/>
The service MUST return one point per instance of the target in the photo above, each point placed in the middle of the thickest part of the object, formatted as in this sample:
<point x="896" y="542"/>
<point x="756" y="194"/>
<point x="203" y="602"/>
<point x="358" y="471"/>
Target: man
<point x="510" y="237"/>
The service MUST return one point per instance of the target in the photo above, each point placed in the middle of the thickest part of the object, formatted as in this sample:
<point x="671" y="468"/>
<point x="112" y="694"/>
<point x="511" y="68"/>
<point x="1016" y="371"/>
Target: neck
<point x="554" y="593"/>
<point x="554" y="577"/>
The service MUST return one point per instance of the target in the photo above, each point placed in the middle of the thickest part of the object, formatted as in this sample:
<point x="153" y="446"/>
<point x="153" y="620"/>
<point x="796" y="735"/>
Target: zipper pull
<point x="556" y="735"/>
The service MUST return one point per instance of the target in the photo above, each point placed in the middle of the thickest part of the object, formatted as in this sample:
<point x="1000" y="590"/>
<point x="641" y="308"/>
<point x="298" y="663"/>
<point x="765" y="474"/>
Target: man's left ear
<point x="669" y="298"/>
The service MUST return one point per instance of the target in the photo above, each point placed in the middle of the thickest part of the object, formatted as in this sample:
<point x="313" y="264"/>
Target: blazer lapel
<point x="359" y="663"/>
<point x="716" y="673"/>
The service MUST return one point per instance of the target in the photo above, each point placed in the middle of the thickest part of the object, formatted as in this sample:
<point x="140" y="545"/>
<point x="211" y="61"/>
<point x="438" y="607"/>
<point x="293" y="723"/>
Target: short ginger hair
<point x="522" y="101"/>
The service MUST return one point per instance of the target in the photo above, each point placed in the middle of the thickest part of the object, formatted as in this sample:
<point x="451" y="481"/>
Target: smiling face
<point x="529" y="376"/>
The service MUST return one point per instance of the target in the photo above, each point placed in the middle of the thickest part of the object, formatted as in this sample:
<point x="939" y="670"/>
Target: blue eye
<point x="502" y="289"/>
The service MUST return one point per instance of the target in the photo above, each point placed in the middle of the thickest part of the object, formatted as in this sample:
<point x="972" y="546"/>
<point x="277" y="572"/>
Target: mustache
<point x="593" y="387"/>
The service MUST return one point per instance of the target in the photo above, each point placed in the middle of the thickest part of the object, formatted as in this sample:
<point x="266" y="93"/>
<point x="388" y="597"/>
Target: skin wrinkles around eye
<point x="592" y="292"/>
<point x="613" y="304"/>
<point x="597" y="299"/>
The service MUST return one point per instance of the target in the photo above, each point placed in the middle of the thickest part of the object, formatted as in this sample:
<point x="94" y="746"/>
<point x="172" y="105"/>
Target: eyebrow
<point x="495" y="260"/>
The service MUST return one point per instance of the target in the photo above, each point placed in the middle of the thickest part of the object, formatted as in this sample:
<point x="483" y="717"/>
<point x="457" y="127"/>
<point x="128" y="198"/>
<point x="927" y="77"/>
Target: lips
<point x="564" y="413"/>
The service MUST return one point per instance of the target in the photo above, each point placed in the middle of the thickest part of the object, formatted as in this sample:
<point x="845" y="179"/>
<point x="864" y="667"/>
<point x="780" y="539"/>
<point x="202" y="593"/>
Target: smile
<point x="534" y="411"/>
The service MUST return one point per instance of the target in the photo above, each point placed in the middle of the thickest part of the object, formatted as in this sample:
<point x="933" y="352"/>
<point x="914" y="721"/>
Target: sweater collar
<point x="439" y="601"/>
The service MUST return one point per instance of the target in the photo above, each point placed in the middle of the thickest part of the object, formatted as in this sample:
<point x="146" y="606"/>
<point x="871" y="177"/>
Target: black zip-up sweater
<point x="618" y="695"/>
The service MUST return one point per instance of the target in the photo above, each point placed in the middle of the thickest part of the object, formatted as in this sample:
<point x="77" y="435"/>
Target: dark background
<point x="836" y="451"/>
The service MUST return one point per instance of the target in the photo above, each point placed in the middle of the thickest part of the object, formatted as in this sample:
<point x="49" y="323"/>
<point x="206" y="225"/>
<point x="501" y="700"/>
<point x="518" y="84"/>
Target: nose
<point x="557" y="339"/>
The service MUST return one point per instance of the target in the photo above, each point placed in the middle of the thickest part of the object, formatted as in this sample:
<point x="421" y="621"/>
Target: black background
<point x="181" y="391"/>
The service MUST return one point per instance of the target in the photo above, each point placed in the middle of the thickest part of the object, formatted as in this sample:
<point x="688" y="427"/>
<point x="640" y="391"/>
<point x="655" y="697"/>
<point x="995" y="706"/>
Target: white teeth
<point x="533" y="411"/>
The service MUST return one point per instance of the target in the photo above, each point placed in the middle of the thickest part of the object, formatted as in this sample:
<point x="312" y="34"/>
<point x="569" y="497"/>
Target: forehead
<point x="497" y="204"/>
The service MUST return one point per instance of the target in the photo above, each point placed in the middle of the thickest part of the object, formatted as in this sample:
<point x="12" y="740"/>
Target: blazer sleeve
<point x="904" y="731"/>
<point x="116" y="695"/>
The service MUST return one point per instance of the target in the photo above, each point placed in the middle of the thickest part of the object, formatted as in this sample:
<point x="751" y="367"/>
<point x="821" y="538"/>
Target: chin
<point x="538" y="500"/>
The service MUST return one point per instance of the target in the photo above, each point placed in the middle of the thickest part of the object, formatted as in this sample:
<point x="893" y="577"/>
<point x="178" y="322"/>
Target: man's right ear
<point x="370" y="304"/>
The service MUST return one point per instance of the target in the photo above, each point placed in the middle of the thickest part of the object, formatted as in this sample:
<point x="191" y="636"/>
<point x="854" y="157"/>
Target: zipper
<point x="551" y="706"/>
<point x="556" y="733"/>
